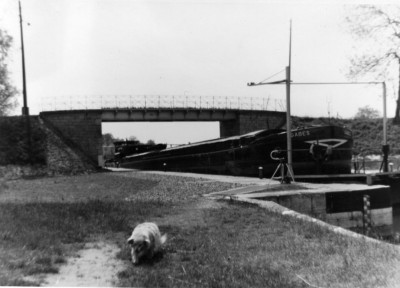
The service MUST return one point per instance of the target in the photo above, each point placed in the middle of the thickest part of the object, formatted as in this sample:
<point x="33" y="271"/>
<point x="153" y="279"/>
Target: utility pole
<point x="25" y="109"/>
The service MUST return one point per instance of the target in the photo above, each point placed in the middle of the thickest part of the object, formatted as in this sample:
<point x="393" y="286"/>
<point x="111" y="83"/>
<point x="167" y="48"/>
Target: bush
<point x="14" y="144"/>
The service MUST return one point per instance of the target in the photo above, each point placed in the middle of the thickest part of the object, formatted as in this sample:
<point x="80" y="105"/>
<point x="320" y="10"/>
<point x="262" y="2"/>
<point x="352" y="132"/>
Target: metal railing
<point x="363" y="163"/>
<point x="161" y="101"/>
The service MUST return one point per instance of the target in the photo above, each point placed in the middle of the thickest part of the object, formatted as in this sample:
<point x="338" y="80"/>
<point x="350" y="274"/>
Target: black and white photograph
<point x="200" y="143"/>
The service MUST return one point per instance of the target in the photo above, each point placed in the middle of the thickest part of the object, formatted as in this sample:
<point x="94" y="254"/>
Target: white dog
<point x="145" y="241"/>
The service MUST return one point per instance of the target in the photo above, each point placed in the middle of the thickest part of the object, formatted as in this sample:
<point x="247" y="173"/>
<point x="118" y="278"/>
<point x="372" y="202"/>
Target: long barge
<point x="316" y="150"/>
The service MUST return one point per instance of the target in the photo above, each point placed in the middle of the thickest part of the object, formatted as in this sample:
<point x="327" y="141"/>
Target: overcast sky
<point x="82" y="48"/>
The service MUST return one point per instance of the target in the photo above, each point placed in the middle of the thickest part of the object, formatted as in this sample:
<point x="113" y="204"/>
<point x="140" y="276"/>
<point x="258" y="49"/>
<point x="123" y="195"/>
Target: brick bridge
<point x="81" y="128"/>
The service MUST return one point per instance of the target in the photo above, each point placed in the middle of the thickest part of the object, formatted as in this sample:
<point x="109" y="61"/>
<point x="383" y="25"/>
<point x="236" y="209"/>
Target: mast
<point x="287" y="81"/>
<point x="288" y="118"/>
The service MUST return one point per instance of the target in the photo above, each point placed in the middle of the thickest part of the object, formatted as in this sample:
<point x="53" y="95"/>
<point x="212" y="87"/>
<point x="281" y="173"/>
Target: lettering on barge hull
<point x="303" y="133"/>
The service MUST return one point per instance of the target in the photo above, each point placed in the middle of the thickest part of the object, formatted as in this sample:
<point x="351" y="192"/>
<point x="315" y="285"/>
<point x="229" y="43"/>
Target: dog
<point x="145" y="241"/>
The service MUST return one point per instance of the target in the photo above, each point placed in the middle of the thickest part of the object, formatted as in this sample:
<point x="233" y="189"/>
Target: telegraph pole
<point x="25" y="109"/>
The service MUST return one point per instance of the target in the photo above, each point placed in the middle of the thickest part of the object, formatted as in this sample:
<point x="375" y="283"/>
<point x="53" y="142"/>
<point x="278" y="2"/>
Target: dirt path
<point x="95" y="265"/>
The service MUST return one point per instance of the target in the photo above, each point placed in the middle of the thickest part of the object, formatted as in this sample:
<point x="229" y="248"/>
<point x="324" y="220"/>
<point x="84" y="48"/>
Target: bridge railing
<point x="160" y="101"/>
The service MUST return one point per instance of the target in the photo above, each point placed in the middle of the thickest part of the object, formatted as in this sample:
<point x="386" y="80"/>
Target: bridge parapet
<point x="162" y="101"/>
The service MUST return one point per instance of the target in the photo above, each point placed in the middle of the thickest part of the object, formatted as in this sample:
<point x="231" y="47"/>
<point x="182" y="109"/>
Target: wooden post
<point x="366" y="215"/>
<point x="260" y="172"/>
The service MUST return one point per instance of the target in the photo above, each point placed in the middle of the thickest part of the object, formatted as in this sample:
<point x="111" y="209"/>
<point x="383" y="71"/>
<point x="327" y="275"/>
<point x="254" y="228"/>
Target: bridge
<point x="78" y="119"/>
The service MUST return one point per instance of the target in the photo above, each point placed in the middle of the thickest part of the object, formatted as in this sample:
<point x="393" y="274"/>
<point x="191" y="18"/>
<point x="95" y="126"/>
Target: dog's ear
<point x="130" y="241"/>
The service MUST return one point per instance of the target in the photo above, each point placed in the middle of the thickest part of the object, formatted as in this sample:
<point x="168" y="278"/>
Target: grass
<point x="246" y="246"/>
<point x="43" y="221"/>
<point x="34" y="236"/>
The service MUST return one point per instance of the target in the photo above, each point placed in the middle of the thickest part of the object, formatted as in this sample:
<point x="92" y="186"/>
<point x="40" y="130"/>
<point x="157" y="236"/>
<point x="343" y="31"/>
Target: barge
<point x="316" y="150"/>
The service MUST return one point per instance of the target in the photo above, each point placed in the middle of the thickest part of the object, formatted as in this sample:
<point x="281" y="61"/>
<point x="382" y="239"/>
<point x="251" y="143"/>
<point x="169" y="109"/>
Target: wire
<point x="273" y="75"/>
<point x="334" y="83"/>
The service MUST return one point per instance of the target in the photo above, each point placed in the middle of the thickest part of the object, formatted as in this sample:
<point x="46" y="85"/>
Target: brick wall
<point x="62" y="159"/>
<point x="79" y="129"/>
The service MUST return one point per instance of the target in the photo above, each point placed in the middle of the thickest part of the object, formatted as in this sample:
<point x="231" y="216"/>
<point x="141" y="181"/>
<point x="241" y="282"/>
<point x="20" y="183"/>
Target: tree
<point x="151" y="142"/>
<point x="134" y="139"/>
<point x="378" y="54"/>
<point x="367" y="113"/>
<point x="109" y="139"/>
<point x="7" y="91"/>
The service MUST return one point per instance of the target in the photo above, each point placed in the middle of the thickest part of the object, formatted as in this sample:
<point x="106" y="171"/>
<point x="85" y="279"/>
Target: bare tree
<point x="7" y="91"/>
<point x="378" y="54"/>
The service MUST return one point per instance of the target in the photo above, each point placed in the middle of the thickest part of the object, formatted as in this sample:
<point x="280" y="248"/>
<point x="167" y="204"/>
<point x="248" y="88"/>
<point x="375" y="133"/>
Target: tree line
<point x="109" y="139"/>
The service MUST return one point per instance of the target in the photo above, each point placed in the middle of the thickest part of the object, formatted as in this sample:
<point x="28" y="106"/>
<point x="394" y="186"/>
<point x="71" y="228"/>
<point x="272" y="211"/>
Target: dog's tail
<point x="163" y="239"/>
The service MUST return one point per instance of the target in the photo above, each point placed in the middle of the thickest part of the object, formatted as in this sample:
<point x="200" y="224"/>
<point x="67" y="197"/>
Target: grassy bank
<point x="246" y="246"/>
<point x="42" y="221"/>
<point x="35" y="237"/>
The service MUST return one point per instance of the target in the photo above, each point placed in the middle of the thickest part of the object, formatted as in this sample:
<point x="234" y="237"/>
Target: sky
<point x="80" y="49"/>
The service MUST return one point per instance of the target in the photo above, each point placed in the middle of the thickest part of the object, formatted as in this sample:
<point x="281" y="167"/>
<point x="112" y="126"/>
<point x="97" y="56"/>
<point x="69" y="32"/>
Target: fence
<point x="160" y="101"/>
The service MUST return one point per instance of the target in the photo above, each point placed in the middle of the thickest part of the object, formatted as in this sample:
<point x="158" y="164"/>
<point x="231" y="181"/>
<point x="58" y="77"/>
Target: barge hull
<point x="316" y="150"/>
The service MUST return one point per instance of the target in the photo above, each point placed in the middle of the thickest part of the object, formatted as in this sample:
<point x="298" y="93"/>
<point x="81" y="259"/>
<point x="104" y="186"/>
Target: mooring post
<point x="282" y="172"/>
<point x="260" y="172"/>
<point x="366" y="215"/>
<point x="165" y="167"/>
<point x="370" y="180"/>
